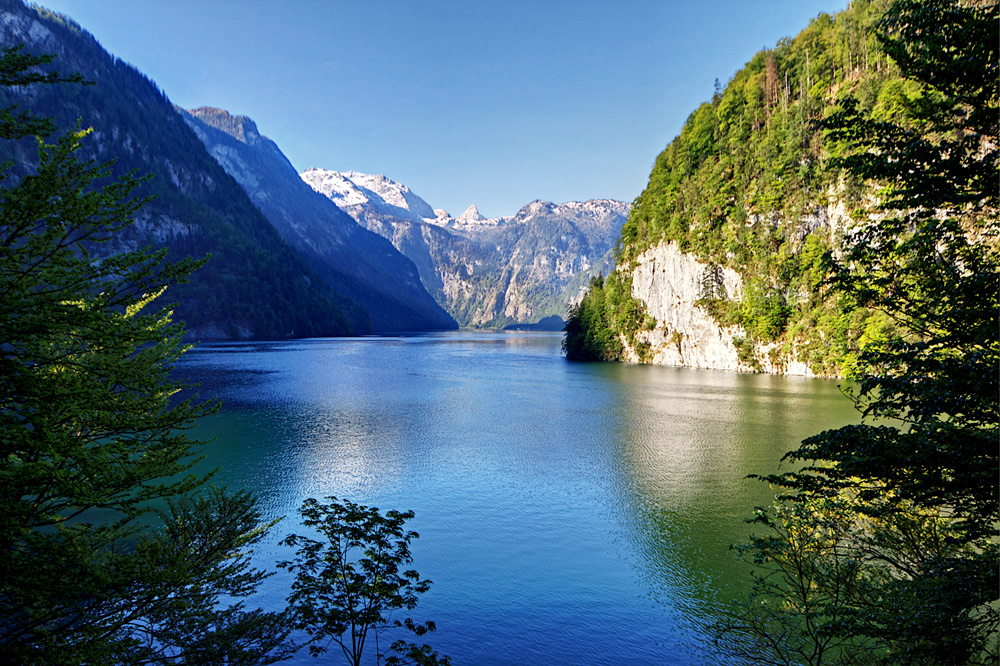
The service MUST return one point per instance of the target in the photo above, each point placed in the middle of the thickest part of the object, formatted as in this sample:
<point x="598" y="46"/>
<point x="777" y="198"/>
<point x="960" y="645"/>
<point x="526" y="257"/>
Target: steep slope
<point x="354" y="261"/>
<point x="547" y="250"/>
<point x="488" y="273"/>
<point x="255" y="285"/>
<point x="450" y="266"/>
<point x="721" y="261"/>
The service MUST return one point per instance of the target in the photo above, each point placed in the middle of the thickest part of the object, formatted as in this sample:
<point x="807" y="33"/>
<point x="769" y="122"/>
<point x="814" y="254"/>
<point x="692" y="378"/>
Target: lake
<point x="569" y="513"/>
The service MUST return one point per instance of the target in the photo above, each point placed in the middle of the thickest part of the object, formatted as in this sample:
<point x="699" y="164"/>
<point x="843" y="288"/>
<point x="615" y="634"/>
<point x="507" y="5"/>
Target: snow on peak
<point x="351" y="188"/>
<point x="393" y="193"/>
<point x="335" y="186"/>
<point x="360" y="195"/>
<point x="470" y="215"/>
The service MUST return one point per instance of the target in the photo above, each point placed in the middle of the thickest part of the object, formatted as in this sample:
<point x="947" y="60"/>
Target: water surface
<point x="569" y="513"/>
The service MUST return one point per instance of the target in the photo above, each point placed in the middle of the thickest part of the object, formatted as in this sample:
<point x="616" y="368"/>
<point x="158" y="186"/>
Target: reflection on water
<point x="691" y="437"/>
<point x="569" y="513"/>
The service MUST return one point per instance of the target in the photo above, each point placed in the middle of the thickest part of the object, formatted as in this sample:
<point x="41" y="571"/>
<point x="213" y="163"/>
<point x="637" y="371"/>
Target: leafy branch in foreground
<point x="347" y="587"/>
<point x="109" y="553"/>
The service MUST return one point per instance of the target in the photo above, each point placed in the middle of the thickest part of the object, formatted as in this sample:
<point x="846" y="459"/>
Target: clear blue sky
<point x="486" y="102"/>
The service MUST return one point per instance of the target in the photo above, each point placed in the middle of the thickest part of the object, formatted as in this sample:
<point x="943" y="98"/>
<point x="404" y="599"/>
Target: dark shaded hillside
<point x="354" y="261"/>
<point x="255" y="285"/>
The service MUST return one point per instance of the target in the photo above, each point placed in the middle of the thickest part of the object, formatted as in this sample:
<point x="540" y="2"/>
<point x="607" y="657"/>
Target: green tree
<point x="822" y="567"/>
<point x="589" y="332"/>
<point x="608" y="311"/>
<point x="739" y="183"/>
<point x="107" y="553"/>
<point x="347" y="588"/>
<point x="918" y="477"/>
<point x="713" y="285"/>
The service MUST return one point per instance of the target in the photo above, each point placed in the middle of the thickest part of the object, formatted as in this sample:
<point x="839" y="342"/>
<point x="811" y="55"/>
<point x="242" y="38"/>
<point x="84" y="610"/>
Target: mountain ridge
<point x="486" y="272"/>
<point x="255" y="285"/>
<point x="354" y="261"/>
<point x="285" y="261"/>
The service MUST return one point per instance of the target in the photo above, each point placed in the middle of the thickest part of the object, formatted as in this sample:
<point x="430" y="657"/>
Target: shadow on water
<point x="687" y="441"/>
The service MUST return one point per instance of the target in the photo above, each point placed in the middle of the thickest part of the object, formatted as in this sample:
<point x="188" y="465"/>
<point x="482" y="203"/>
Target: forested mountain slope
<point x="722" y="258"/>
<point x="356" y="262"/>
<point x="254" y="285"/>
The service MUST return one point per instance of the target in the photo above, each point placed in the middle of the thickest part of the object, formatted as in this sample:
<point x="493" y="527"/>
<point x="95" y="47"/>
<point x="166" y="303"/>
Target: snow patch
<point x="349" y="189"/>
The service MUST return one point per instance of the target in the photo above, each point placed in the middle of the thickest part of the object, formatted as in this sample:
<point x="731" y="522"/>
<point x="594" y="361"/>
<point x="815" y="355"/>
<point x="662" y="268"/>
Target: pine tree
<point x="111" y="551"/>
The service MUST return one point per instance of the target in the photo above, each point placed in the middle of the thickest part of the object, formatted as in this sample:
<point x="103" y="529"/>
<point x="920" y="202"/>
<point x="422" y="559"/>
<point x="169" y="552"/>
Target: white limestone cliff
<point x="668" y="282"/>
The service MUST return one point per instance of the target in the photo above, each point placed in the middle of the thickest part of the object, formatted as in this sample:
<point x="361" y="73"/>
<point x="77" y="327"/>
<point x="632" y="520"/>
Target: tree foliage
<point x="916" y="482"/>
<point x="348" y="587"/>
<point x="824" y="567"/>
<point x="107" y="553"/>
<point x="748" y="183"/>
<point x="256" y="285"/>
<point x="596" y="324"/>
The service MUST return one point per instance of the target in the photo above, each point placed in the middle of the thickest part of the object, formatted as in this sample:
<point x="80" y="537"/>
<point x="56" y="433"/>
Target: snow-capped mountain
<point x="351" y="189"/>
<point x="486" y="272"/>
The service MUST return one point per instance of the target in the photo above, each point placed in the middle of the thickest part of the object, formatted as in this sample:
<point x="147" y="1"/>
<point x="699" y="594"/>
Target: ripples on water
<point x="569" y="513"/>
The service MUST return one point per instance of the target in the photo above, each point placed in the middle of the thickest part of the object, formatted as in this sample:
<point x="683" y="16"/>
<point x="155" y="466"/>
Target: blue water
<point x="568" y="513"/>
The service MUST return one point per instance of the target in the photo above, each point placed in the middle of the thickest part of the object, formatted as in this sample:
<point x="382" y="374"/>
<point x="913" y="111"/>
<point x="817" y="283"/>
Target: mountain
<point x="488" y="273"/>
<point x="255" y="285"/>
<point x="374" y="193"/>
<point x="722" y="258"/>
<point x="356" y="262"/>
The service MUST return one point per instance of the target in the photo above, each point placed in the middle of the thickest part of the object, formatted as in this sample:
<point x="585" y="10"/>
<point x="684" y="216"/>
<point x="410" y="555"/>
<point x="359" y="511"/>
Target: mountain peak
<point x="353" y="188"/>
<point x="471" y="214"/>
<point x="241" y="128"/>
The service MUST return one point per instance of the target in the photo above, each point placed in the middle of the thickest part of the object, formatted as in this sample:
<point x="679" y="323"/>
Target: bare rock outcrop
<point x="669" y="283"/>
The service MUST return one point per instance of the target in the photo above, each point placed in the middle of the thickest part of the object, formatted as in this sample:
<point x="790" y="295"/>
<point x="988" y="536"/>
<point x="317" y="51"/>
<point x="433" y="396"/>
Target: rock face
<point x="548" y="251"/>
<point x="486" y="272"/>
<point x="356" y="262"/>
<point x="669" y="283"/>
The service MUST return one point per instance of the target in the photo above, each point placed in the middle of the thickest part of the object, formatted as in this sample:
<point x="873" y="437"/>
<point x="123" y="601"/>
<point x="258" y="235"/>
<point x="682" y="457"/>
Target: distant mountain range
<point x="324" y="253"/>
<point x="487" y="272"/>
<point x="484" y="272"/>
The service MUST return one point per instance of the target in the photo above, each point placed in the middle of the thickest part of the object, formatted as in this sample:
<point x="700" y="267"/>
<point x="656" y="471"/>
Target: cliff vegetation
<point x="750" y="184"/>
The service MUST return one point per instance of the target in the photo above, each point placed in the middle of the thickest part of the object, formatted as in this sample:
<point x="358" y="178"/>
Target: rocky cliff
<point x="722" y="262"/>
<point x="682" y="331"/>
<point x="360" y="264"/>
<point x="670" y="284"/>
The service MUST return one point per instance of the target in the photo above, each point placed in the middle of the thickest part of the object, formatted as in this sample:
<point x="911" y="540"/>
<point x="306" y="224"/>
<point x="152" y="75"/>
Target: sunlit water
<point x="568" y="513"/>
